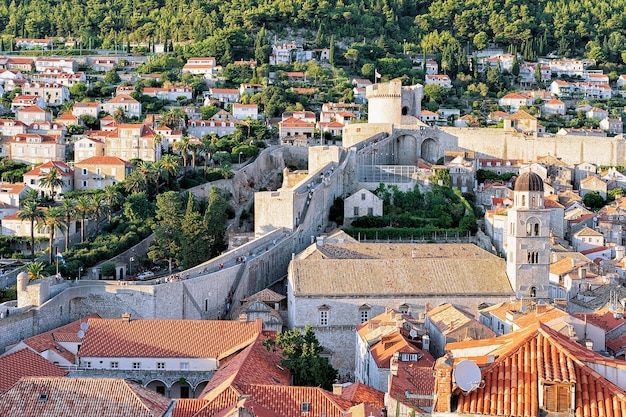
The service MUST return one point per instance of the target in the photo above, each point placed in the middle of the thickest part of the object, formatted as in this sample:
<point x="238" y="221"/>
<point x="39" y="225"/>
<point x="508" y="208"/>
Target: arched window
<point x="533" y="292"/>
<point x="536" y="229"/>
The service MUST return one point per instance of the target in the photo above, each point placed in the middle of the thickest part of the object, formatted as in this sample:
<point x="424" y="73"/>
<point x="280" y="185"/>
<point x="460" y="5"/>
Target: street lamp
<point x="240" y="153"/>
<point x="80" y="270"/>
<point x="132" y="259"/>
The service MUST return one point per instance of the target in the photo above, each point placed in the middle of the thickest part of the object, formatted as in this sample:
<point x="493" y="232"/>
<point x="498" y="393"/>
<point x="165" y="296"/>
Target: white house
<point x="513" y="101"/>
<point x="54" y="94"/>
<point x="92" y="108"/>
<point x="244" y="111"/>
<point x="131" y="107"/>
<point x="362" y="203"/>
<point x="169" y="93"/>
<point x="554" y="106"/>
<point x="441" y="80"/>
<point x="199" y="128"/>
<point x="64" y="64"/>
<point x="587" y="238"/>
<point x="33" y="177"/>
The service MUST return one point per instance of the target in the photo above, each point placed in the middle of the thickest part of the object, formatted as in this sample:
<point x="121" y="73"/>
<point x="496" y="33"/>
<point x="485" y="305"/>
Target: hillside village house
<point x="103" y="64"/>
<point x="206" y="66"/>
<point x="68" y="119"/>
<point x="54" y="94"/>
<point x="34" y="176"/>
<point x="131" y="107"/>
<point x="13" y="194"/>
<point x="170" y="136"/>
<point x="30" y="43"/>
<point x="124" y="89"/>
<point x="441" y="80"/>
<point x="92" y="108"/>
<point x="580" y="89"/>
<point x="513" y="101"/>
<point x="23" y="101"/>
<point x="98" y="172"/>
<point x="169" y="93"/>
<point x="10" y="128"/>
<point x="592" y="184"/>
<point x="131" y="141"/>
<point x="587" y="238"/>
<point x="554" y="106"/>
<point x="36" y="149"/>
<point x="612" y="125"/>
<point x="67" y="79"/>
<point x="250" y="89"/>
<point x="224" y="95"/>
<point x="88" y="147"/>
<point x="199" y="128"/>
<point x="243" y="111"/>
<point x="295" y="127"/>
<point x="334" y="128"/>
<point x="24" y="65"/>
<point x="64" y="64"/>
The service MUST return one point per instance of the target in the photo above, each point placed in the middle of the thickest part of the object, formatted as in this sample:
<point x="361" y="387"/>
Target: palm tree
<point x="133" y="183"/>
<point x="98" y="208"/>
<point x="174" y="118"/>
<point x="67" y="205"/>
<point x="83" y="209"/>
<point x="33" y="195"/>
<point x="32" y="213"/>
<point x="113" y="198"/>
<point x="182" y="146"/>
<point x="119" y="115"/>
<point x="171" y="166"/>
<point x="207" y="149"/>
<point x="35" y="270"/>
<point x="54" y="218"/>
<point x="149" y="173"/>
<point x="52" y="180"/>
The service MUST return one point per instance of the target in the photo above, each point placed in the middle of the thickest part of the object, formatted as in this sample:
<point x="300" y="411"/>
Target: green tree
<point x="441" y="177"/>
<point x="54" y="218"/>
<point x="137" y="207"/>
<point x="98" y="208"/>
<point x="183" y="146"/>
<point x="301" y="355"/>
<point x="31" y="212"/>
<point x="434" y="92"/>
<point x="167" y="229"/>
<point x="331" y="52"/>
<point x="113" y="199"/>
<point x="593" y="201"/>
<point x="78" y="90"/>
<point x="195" y="248"/>
<point x="215" y="221"/>
<point x="112" y="77"/>
<point x="481" y="40"/>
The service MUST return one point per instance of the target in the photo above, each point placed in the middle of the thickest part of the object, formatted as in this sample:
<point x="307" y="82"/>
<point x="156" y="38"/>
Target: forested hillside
<point x="570" y="27"/>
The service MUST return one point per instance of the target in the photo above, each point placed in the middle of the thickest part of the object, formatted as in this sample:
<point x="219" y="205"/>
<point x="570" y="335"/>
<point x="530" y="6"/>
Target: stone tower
<point x="389" y="102"/>
<point x="528" y="239"/>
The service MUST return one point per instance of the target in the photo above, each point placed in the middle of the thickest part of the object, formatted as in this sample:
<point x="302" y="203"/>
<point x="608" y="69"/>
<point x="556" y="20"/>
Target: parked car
<point x="145" y="275"/>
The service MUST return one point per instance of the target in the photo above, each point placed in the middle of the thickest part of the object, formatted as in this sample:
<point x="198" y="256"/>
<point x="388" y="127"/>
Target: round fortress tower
<point x="389" y="102"/>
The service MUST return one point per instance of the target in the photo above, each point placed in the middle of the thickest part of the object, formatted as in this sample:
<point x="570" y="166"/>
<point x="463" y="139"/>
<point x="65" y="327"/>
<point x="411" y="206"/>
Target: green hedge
<point x="425" y="233"/>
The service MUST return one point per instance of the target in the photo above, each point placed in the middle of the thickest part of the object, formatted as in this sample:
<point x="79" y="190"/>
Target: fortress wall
<point x="358" y="132"/>
<point x="496" y="143"/>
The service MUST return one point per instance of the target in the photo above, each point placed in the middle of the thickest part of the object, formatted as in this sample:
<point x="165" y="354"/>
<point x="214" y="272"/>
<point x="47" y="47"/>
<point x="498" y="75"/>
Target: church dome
<point x="529" y="181"/>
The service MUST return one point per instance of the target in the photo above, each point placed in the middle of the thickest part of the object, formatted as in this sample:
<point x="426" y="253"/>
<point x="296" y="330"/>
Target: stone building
<point x="362" y="203"/>
<point x="338" y="283"/>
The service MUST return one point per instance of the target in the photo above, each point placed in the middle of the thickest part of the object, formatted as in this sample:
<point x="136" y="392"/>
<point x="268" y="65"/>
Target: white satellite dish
<point x="467" y="375"/>
<point x="84" y="326"/>
<point x="80" y="334"/>
<point x="413" y="333"/>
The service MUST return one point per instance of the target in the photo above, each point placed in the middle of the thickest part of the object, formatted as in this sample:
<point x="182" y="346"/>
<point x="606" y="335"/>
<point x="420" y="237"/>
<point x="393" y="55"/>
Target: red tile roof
<point x="24" y="363"/>
<point x="188" y="407"/>
<point x="50" y="340"/>
<point x="606" y="321"/>
<point x="103" y="160"/>
<point x="62" y="168"/>
<point x="71" y="397"/>
<point x="359" y="393"/>
<point x="383" y="350"/>
<point x="413" y="384"/>
<point x="167" y="338"/>
<point x="535" y="355"/>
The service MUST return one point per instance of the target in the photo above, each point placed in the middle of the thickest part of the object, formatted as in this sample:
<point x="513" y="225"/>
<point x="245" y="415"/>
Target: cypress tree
<point x="331" y="52"/>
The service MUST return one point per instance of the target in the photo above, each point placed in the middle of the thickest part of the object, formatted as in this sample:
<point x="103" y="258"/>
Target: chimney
<point x="338" y="389"/>
<point x="443" y="385"/>
<point x="126" y="317"/>
<point x="426" y="342"/>
<point x="243" y="318"/>
<point x="393" y="364"/>
<point x="582" y="273"/>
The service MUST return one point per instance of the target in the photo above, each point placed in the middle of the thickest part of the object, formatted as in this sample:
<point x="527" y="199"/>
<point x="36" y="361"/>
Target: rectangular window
<point x="324" y="318"/>
<point x="85" y="183"/>
<point x="356" y="211"/>
<point x="87" y="364"/>
<point x="362" y="196"/>
<point x="364" y="315"/>
<point x="115" y="365"/>
<point x="84" y="171"/>
<point x="184" y="366"/>
<point x="160" y="365"/>
<point x="370" y="211"/>
<point x="136" y="365"/>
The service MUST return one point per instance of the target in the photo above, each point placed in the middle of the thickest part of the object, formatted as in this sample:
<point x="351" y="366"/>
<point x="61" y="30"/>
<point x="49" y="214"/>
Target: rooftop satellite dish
<point x="84" y="326"/>
<point x="413" y="333"/>
<point x="80" y="334"/>
<point x="467" y="375"/>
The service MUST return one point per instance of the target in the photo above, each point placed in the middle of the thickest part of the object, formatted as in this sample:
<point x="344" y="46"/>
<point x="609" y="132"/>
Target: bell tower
<point x="528" y="239"/>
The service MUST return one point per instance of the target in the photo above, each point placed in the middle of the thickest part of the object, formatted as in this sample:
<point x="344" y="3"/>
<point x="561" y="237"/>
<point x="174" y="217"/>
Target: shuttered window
<point x="556" y="398"/>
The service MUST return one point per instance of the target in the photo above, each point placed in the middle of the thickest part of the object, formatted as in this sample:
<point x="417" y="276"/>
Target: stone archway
<point x="158" y="386"/>
<point x="429" y="150"/>
<point x="199" y="388"/>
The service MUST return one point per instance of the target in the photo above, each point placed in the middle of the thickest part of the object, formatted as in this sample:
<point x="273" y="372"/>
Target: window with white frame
<point x="184" y="366"/>
<point x="364" y="313"/>
<point x="115" y="365"/>
<point x="160" y="365"/>
<point x="323" y="315"/>
<point x="136" y="365"/>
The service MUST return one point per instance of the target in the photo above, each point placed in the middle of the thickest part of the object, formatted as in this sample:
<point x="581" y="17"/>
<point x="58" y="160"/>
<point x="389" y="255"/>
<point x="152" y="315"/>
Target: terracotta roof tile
<point x="359" y="393"/>
<point x="71" y="397"/>
<point x="536" y="355"/>
<point x="50" y="340"/>
<point x="24" y="363"/>
<point x="188" y="407"/>
<point x="416" y="380"/>
<point x="167" y="338"/>
<point x="103" y="160"/>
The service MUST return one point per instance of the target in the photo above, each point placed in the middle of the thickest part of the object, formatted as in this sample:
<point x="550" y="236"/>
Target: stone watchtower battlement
<point x="388" y="102"/>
